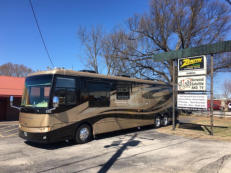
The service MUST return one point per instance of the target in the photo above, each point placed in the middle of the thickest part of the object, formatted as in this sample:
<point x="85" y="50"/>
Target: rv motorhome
<point x="61" y="104"/>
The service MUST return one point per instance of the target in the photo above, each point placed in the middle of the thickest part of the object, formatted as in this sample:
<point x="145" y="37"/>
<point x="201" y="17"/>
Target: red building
<point x="10" y="86"/>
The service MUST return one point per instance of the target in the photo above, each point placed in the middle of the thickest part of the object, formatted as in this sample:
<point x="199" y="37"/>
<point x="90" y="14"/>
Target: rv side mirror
<point x="55" y="102"/>
<point x="11" y="100"/>
<point x="12" y="105"/>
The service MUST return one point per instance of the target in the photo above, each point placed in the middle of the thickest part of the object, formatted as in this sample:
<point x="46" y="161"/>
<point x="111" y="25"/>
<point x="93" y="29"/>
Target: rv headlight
<point x="45" y="129"/>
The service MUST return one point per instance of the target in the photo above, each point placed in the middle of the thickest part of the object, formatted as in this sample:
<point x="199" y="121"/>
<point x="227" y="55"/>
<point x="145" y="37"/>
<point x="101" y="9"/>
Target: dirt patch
<point x="199" y="126"/>
<point x="215" y="166"/>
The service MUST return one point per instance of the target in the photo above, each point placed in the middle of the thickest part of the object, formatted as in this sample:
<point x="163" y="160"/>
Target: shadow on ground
<point x="130" y="143"/>
<point x="51" y="146"/>
<point x="123" y="132"/>
<point x="200" y="127"/>
<point x="63" y="144"/>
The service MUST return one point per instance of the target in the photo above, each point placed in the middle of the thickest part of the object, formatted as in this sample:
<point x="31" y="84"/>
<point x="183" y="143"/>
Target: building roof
<point x="11" y="86"/>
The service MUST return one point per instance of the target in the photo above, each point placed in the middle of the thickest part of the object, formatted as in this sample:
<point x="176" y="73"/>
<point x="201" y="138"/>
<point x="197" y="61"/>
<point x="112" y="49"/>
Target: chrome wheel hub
<point x="84" y="134"/>
<point x="165" y="121"/>
<point x="157" y="122"/>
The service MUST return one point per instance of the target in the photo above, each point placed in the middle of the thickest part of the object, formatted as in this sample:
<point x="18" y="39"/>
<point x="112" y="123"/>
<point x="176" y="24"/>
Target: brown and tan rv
<point x="63" y="104"/>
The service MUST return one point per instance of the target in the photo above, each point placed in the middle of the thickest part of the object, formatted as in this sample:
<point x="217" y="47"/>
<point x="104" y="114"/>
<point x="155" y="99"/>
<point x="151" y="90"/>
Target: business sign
<point x="192" y="66"/>
<point x="192" y="83"/>
<point x="192" y="101"/>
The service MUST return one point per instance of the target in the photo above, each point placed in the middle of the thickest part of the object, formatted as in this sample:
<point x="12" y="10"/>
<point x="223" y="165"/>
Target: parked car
<point x="229" y="106"/>
<point x="216" y="107"/>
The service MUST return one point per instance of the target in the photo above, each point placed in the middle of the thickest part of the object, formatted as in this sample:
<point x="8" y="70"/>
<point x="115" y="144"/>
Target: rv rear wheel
<point x="83" y="134"/>
<point x="157" y="121"/>
<point x="165" y="120"/>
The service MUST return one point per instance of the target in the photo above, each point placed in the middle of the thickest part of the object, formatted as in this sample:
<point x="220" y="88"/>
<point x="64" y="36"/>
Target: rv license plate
<point x="25" y="133"/>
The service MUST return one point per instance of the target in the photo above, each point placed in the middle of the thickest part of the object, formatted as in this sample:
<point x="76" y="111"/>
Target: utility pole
<point x="173" y="96"/>
<point x="211" y="96"/>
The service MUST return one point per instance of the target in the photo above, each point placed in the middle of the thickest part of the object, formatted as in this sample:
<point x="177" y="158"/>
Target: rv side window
<point x="123" y="92"/>
<point x="62" y="82"/>
<point x="98" y="94"/>
<point x="65" y="89"/>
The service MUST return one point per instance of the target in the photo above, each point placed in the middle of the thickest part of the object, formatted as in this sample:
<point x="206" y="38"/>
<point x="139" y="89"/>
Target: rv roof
<point x="87" y="74"/>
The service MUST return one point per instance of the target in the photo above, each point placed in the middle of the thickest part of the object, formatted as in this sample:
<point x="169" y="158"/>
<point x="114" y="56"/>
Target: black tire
<point x="83" y="134"/>
<point x="157" y="122"/>
<point x="165" y="120"/>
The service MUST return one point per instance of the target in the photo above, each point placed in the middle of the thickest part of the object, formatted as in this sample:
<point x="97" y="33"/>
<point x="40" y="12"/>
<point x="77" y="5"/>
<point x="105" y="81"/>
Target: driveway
<point x="8" y="129"/>
<point x="132" y="151"/>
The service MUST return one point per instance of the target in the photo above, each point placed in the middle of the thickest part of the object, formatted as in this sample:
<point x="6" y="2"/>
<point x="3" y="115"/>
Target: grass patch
<point x="199" y="126"/>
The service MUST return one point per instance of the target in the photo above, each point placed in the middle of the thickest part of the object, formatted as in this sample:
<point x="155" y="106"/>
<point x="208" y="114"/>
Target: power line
<point x="44" y="44"/>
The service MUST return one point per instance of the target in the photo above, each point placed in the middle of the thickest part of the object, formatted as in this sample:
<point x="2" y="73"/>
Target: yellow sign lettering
<point x="187" y="62"/>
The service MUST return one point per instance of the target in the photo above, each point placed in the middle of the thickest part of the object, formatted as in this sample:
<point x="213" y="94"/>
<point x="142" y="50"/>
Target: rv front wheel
<point x="83" y="134"/>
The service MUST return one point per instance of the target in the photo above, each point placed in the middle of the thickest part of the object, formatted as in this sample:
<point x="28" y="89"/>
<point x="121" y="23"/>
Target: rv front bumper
<point x="36" y="137"/>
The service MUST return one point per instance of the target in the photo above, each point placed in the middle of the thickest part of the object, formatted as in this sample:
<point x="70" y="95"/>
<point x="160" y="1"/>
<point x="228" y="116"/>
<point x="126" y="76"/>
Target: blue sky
<point x="59" y="19"/>
<point x="20" y="42"/>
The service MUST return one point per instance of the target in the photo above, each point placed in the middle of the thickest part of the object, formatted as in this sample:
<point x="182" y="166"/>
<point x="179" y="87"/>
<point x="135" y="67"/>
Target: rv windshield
<point x="37" y="91"/>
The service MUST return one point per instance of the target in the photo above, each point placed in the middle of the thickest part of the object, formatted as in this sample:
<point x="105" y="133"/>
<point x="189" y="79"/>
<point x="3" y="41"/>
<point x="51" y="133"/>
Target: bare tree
<point x="116" y="62"/>
<point x="227" y="89"/>
<point x="229" y="1"/>
<point x="16" y="70"/>
<point x="222" y="63"/>
<point x="169" y="25"/>
<point x="109" y="55"/>
<point x="92" y="41"/>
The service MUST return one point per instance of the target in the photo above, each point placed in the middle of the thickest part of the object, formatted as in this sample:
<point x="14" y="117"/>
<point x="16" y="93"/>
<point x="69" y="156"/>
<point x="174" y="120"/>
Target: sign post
<point x="192" y="80"/>
<point x="192" y="66"/>
<point x="173" y="96"/>
<point x="211" y="96"/>
<point x="192" y="83"/>
<point x="208" y="49"/>
<point x="192" y="101"/>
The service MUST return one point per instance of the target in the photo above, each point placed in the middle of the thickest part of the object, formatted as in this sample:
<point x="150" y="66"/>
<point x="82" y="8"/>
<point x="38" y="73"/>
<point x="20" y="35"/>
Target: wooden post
<point x="173" y="96"/>
<point x="211" y="96"/>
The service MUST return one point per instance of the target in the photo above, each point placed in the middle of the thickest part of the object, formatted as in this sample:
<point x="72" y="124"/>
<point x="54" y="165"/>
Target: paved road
<point x="131" y="152"/>
<point x="8" y="129"/>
